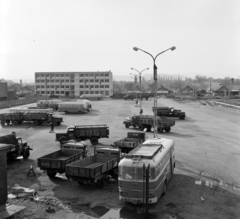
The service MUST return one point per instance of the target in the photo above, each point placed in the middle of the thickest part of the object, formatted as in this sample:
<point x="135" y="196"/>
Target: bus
<point x="48" y="103"/>
<point x="159" y="154"/>
<point x="92" y="96"/>
<point x="31" y="110"/>
<point x="88" y="103"/>
<point x="73" y="107"/>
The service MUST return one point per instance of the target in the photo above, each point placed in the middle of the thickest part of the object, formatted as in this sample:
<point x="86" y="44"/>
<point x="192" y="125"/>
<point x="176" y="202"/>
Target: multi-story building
<point x="74" y="83"/>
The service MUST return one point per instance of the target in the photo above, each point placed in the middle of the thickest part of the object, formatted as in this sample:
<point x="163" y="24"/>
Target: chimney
<point x="232" y="81"/>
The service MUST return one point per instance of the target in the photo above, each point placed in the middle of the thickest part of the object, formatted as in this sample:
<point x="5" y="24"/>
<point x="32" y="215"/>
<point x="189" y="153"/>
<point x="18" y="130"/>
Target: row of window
<point x="81" y="92"/>
<point x="72" y="87"/>
<point x="67" y="81"/>
<point x="72" y="75"/>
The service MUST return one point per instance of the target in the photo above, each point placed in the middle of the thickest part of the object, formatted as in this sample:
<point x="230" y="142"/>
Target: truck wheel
<point x="58" y="123"/>
<point x="80" y="182"/>
<point x="160" y="129"/>
<point x="39" y="122"/>
<point x="26" y="154"/>
<point x="127" y="125"/>
<point x="141" y="127"/>
<point x="51" y="173"/>
<point x="19" y="122"/>
<point x="94" y="140"/>
<point x="35" y="122"/>
<point x="168" y="129"/>
<point x="182" y="117"/>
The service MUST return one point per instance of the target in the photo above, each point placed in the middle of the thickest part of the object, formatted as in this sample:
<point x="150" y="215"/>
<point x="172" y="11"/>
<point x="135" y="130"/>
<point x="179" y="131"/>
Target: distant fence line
<point x="225" y="105"/>
<point x="18" y="102"/>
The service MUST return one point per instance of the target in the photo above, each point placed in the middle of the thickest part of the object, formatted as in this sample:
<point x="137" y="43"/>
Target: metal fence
<point x="18" y="102"/>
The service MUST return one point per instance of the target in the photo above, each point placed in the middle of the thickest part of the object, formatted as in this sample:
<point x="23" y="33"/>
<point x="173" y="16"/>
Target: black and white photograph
<point x="119" y="109"/>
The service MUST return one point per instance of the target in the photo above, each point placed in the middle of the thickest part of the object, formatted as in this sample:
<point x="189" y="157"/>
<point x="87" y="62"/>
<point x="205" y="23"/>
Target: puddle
<point x="103" y="212"/>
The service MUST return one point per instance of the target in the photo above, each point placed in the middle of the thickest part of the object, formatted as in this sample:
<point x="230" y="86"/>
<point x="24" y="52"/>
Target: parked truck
<point x="84" y="132"/>
<point x="170" y="112"/>
<point x="95" y="168"/>
<point x="37" y="118"/>
<point x="132" y="140"/>
<point x="16" y="146"/>
<point x="55" y="162"/>
<point x="143" y="122"/>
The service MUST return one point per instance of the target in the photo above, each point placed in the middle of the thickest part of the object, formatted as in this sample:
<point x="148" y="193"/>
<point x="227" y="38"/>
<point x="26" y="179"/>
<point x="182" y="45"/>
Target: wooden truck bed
<point x="92" y="166"/>
<point x="58" y="159"/>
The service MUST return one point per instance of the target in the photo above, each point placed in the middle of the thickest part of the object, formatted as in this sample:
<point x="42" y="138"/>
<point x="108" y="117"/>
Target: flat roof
<point x="144" y="151"/>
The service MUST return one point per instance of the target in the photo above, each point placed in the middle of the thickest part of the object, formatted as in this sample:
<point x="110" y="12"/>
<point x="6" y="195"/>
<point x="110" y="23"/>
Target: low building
<point x="163" y="90"/>
<point x="222" y="91"/>
<point x="187" y="90"/>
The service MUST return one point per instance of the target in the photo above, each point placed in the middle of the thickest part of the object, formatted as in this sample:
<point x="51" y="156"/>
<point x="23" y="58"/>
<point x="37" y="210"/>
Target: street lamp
<point x="155" y="82"/>
<point x="135" y="82"/>
<point x="140" y="81"/>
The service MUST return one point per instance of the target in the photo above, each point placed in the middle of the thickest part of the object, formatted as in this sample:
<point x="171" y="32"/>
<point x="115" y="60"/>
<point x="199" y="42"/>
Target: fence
<point x="18" y="102"/>
<point x="225" y="105"/>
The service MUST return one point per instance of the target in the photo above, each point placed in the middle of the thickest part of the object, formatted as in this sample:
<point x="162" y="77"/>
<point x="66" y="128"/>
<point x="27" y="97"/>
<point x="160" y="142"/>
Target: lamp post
<point x="135" y="82"/>
<point x="140" y="81"/>
<point x="155" y="83"/>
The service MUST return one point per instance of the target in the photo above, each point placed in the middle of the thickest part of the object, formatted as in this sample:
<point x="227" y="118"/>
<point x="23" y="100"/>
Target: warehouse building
<point x="74" y="84"/>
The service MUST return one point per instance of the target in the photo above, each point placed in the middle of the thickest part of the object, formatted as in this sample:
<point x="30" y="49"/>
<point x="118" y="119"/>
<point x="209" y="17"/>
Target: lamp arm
<point x="161" y="53"/>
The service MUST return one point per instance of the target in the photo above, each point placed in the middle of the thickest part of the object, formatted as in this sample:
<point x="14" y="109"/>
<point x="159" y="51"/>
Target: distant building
<point x="222" y="91"/>
<point x="163" y="90"/>
<point x="74" y="83"/>
<point x="187" y="90"/>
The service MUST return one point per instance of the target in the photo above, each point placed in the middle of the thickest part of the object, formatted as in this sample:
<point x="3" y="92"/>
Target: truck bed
<point x="91" y="167"/>
<point x="58" y="159"/>
<point x="127" y="142"/>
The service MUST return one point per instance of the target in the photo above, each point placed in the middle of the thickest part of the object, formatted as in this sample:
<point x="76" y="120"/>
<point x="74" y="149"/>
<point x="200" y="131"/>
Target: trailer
<point x="132" y="140"/>
<point x="55" y="162"/>
<point x="38" y="118"/>
<point x="84" y="132"/>
<point x="170" y="112"/>
<point x="95" y="168"/>
<point x="146" y="122"/>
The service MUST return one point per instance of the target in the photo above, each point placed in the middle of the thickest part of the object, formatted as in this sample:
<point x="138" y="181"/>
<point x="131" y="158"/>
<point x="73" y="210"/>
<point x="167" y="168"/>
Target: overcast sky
<point x="99" y="35"/>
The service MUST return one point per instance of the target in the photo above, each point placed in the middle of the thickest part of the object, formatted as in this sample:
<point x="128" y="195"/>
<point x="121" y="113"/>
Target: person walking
<point x="52" y="127"/>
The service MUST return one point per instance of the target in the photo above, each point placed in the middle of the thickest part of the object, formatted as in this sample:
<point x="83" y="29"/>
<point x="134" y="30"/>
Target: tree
<point x="129" y="86"/>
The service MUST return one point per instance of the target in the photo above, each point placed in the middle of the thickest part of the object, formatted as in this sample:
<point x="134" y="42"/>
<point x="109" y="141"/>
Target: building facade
<point x="74" y="84"/>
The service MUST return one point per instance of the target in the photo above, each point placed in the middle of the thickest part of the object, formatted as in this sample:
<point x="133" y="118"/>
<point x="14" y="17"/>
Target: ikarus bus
<point x="159" y="154"/>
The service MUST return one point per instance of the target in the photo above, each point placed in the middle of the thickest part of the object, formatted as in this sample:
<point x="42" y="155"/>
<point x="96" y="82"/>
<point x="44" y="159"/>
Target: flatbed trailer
<point x="143" y="122"/>
<point x="37" y="118"/>
<point x="95" y="168"/>
<point x="132" y="140"/>
<point x="55" y="162"/>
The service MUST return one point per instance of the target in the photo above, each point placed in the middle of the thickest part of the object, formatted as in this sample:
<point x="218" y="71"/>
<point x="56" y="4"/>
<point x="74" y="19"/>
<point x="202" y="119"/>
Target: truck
<point x="143" y="122"/>
<point x="95" y="168"/>
<point x="170" y="112"/>
<point x="56" y="161"/>
<point x="84" y="132"/>
<point x="132" y="140"/>
<point x="17" y="146"/>
<point x="37" y="118"/>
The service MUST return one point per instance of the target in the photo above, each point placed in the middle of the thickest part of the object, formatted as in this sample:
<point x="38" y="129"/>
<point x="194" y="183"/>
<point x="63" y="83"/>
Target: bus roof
<point x="150" y="148"/>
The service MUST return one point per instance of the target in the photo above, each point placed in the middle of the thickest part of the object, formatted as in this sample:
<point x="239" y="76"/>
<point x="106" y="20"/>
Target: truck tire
<point x="20" y="122"/>
<point x="94" y="140"/>
<point x="26" y="154"/>
<point x="168" y="129"/>
<point x="58" y="123"/>
<point x="182" y="117"/>
<point x="127" y="125"/>
<point x="51" y="173"/>
<point x="149" y="128"/>
<point x="35" y="122"/>
<point x="8" y="122"/>
<point x="141" y="127"/>
<point x="160" y="129"/>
